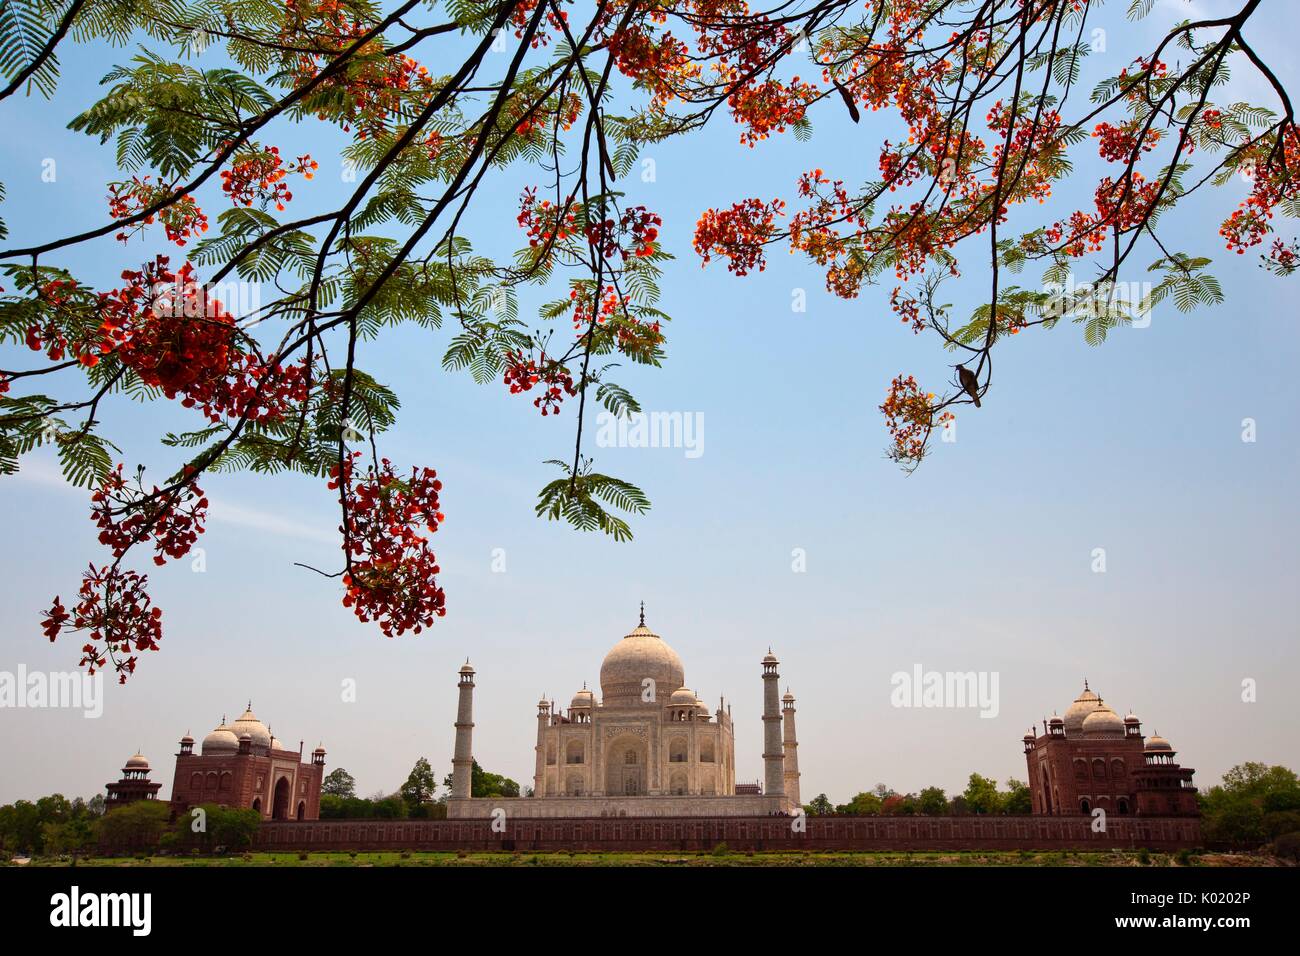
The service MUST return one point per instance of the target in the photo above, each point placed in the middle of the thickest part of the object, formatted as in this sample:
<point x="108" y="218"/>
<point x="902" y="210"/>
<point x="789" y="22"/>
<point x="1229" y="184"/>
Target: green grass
<point x="669" y="859"/>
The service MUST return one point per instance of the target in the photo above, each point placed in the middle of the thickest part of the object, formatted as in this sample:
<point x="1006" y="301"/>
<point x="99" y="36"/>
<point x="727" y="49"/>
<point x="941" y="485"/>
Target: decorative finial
<point x="1085" y="683"/>
<point x="643" y="613"/>
<point x="250" y="704"/>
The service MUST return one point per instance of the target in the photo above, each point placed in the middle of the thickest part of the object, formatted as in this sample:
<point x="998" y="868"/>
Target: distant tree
<point x="1255" y="802"/>
<point x="20" y="827"/>
<point x="95" y="805"/>
<point x="339" y="783"/>
<point x="391" y="807"/>
<point x="821" y="806"/>
<point x="862" y="805"/>
<point x="957" y="806"/>
<point x="485" y="784"/>
<point x="136" y="825"/>
<point x="882" y="791"/>
<point x="931" y="802"/>
<point x="1018" y="801"/>
<point x="420" y="785"/>
<point x="982" y="795"/>
<point x="899" y="805"/>
<point x="230" y="828"/>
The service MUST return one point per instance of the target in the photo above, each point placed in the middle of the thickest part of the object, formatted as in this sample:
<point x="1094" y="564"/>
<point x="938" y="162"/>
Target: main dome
<point x="642" y="654"/>
<point x="1084" y="705"/>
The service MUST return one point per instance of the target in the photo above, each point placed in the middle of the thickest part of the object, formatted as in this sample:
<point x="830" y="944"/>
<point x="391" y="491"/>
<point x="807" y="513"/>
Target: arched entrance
<point x="302" y="810"/>
<point x="257" y="804"/>
<point x="281" y="804"/>
<point x="626" y="766"/>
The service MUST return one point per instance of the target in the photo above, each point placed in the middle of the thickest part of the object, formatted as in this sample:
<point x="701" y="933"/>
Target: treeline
<point x="418" y="798"/>
<point x="56" y="826"/>
<point x="50" y="825"/>
<point x="980" y="796"/>
<point x="1255" y="804"/>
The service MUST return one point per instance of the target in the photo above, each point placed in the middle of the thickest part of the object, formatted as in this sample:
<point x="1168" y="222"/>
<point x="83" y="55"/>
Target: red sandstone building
<point x="1093" y="759"/>
<point x="244" y="765"/>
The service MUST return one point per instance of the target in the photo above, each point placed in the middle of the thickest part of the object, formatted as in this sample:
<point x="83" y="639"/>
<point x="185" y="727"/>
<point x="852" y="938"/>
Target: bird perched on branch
<point x="969" y="383"/>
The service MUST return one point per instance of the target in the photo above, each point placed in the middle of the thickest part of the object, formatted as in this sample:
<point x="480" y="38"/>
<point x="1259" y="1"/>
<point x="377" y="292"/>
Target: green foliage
<point x="26" y="26"/>
<point x="138" y="825"/>
<point x="51" y="825"/>
<point x="338" y="783"/>
<point x="820" y="806"/>
<point x="419" y="787"/>
<point x="228" y="828"/>
<point x="486" y="784"/>
<point x="574" y="499"/>
<point x="1255" y="802"/>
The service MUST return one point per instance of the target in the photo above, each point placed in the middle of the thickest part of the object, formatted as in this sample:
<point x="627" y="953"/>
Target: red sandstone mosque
<point x="1093" y="759"/>
<point x="240" y="765"/>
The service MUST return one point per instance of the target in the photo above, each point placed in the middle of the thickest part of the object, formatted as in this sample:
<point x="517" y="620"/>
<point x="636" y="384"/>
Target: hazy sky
<point x="981" y="561"/>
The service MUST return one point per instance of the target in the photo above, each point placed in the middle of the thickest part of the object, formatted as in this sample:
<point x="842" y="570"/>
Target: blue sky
<point x="981" y="560"/>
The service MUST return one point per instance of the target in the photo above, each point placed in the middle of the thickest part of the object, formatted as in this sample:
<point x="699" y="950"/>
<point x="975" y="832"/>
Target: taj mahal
<point x="649" y="747"/>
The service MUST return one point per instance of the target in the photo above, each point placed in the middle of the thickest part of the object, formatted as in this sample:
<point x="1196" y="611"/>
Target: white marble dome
<point x="137" y="762"/>
<point x="1103" y="723"/>
<point x="640" y="655"/>
<point x="222" y="740"/>
<point x="1085" y="704"/>
<point x="683" y="697"/>
<point x="254" y="728"/>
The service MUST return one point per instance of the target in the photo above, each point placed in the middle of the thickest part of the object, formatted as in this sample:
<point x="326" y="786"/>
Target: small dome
<point x="319" y="750"/>
<point x="1158" y="744"/>
<point x="1131" y="719"/>
<point x="220" y="741"/>
<point x="770" y="658"/>
<point x="137" y="762"/>
<point x="1103" y="723"/>
<point x="682" y="697"/>
<point x="788" y="696"/>
<point x="1029" y="735"/>
<point x="187" y="739"/>
<point x="583" y="698"/>
<point x="1055" y="721"/>
<point x="465" y="668"/>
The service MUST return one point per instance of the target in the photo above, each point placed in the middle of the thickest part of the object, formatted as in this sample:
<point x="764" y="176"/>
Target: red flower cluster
<point x="1273" y="182"/>
<point x="392" y="572"/>
<point x="738" y="234"/>
<point x="126" y="516"/>
<point x="182" y="220"/>
<point x="633" y="235"/>
<point x="259" y="177"/>
<point x="543" y="222"/>
<point x="522" y="374"/>
<point x="377" y="87"/>
<point x="1118" y="143"/>
<point x="166" y="329"/>
<point x="611" y="303"/>
<point x="114" y="607"/>
<point x="908" y="416"/>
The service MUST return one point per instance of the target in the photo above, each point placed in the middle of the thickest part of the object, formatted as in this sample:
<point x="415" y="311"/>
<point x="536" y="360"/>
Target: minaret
<point x="773" y="759"/>
<point x="791" y="749"/>
<point x="462" y="764"/>
<point x="543" y="718"/>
